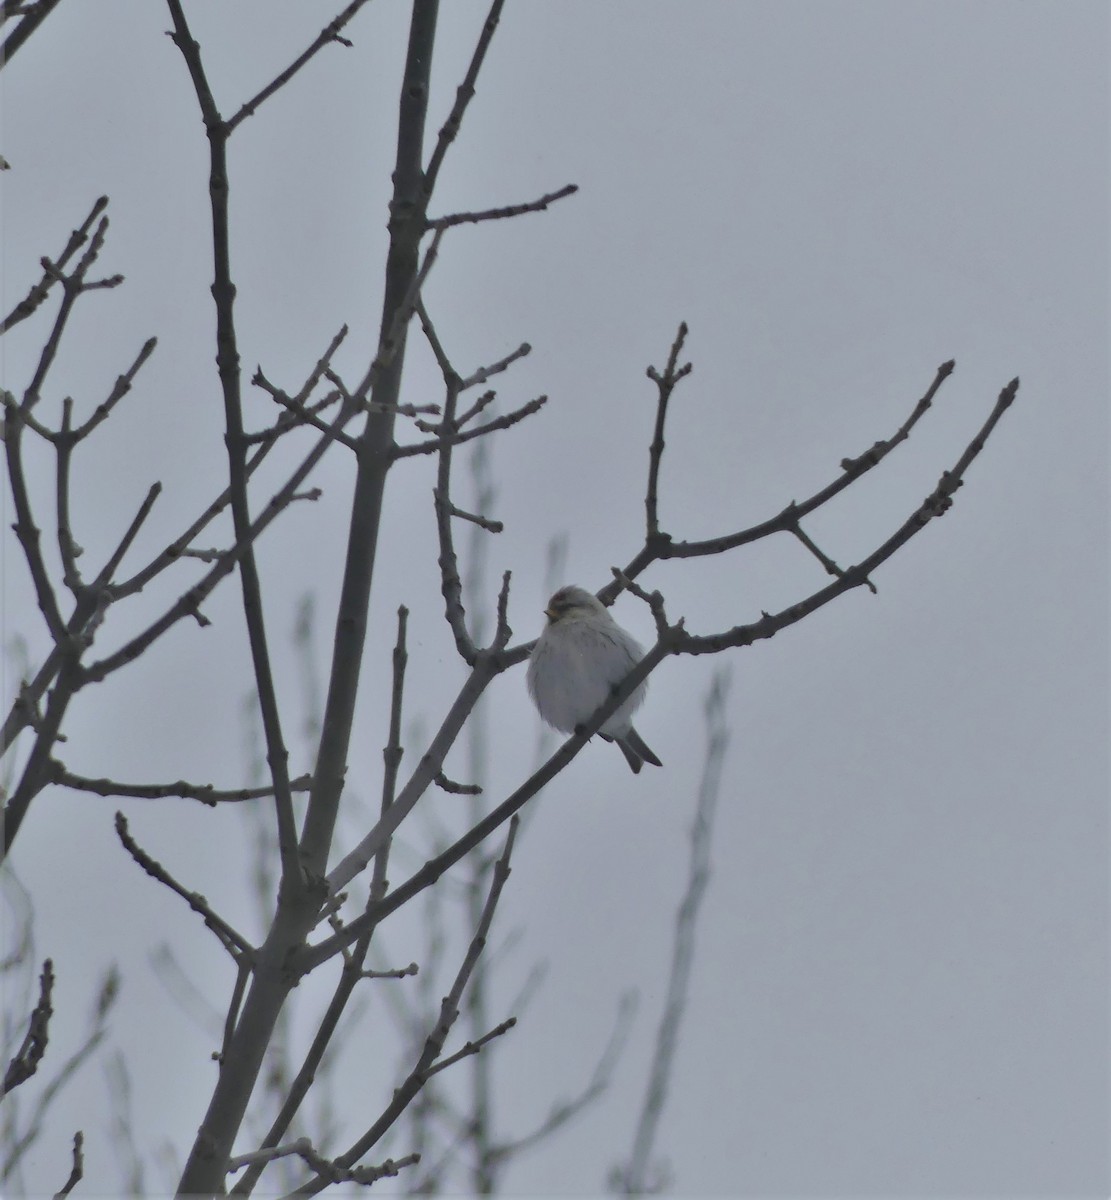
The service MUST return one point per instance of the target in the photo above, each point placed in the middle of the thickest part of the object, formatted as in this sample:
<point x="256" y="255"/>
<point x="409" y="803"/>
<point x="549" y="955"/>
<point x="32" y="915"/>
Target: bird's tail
<point x="636" y="751"/>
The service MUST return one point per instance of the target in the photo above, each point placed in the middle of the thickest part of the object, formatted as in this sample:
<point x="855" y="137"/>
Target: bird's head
<point x="572" y="603"/>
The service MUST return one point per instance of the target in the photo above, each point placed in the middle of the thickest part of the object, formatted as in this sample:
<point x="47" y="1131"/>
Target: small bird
<point x="581" y="656"/>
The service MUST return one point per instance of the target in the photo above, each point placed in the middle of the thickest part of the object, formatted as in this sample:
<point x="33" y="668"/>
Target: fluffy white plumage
<point x="579" y="658"/>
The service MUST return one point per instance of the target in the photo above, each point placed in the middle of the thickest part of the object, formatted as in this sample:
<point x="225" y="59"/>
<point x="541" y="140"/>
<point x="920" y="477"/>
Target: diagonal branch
<point x="303" y="415"/>
<point x="936" y="503"/>
<point x="329" y="34"/>
<point x="232" y="941"/>
<point x="33" y="16"/>
<point x="434" y="1043"/>
<point x="457" y="438"/>
<point x="463" y="96"/>
<point x="312" y="956"/>
<point x="25" y="1061"/>
<point x="120" y="389"/>
<point x="52" y="269"/>
<point x="565" y="1110"/>
<point x="178" y="548"/>
<point x="188" y="604"/>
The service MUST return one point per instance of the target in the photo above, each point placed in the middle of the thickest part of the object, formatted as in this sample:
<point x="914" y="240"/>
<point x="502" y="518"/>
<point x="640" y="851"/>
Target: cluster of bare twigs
<point x="315" y="890"/>
<point x="22" y="1125"/>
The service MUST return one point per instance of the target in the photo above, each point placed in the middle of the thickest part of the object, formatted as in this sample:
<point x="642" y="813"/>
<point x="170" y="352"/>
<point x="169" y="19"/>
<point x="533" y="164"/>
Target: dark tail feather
<point x="631" y="756"/>
<point x="636" y="751"/>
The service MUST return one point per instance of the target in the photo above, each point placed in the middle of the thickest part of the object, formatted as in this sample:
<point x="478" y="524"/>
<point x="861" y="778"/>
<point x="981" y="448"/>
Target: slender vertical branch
<point x="67" y="548"/>
<point x="464" y="94"/>
<point x="665" y="385"/>
<point x="227" y="363"/>
<point x="640" y="1175"/>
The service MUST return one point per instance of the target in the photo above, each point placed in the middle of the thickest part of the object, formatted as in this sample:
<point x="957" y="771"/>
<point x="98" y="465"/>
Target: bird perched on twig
<point x="581" y="656"/>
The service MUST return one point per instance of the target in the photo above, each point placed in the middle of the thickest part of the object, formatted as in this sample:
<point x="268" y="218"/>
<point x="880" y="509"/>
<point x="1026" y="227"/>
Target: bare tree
<point x="370" y="420"/>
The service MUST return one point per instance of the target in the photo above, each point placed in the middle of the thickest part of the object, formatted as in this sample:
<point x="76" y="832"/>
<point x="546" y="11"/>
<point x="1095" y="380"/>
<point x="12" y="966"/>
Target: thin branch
<point x="353" y="969"/>
<point x="27" y="531"/>
<point x="177" y="548"/>
<point x="486" y="523"/>
<point x="393" y="333"/>
<point x="434" y="1043"/>
<point x="430" y="765"/>
<point x="77" y="1171"/>
<point x="235" y="1003"/>
<point x="25" y="1062"/>
<point x="119" y="389"/>
<point x="47" y="733"/>
<point x="68" y="550"/>
<point x="51" y="269"/>
<point x="227" y="362"/>
<point x="394" y="973"/>
<point x="852" y="469"/>
<point x="189" y="603"/>
<point x="121" y="1125"/>
<point x="182" y="988"/>
<point x="313" y="955"/>
<point x="830" y="566"/>
<point x="471" y="1047"/>
<point x="935" y="504"/>
<point x="206" y="793"/>
<point x="634" y="1178"/>
<point x="565" y="1110"/>
<point x="33" y="17"/>
<point x="498" y="214"/>
<point x="665" y="385"/>
<point x="26" y="417"/>
<point x="232" y="941"/>
<point x="457" y="439"/>
<point x="104" y="1002"/>
<point x="485" y="373"/>
<point x="456" y="789"/>
<point x="327" y="1169"/>
<point x="463" y="96"/>
<point x="130" y="534"/>
<point x="73" y="285"/>
<point x="329" y="34"/>
<point x="392" y="751"/>
<point x="303" y="415"/>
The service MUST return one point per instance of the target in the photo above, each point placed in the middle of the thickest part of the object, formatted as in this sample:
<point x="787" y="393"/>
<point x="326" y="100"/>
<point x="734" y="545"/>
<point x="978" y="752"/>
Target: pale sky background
<point x="901" y="985"/>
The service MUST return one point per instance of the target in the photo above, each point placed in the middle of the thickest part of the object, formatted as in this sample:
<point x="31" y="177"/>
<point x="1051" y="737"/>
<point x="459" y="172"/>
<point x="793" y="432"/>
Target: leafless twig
<point x="434" y="1043"/>
<point x="206" y="793"/>
<point x="329" y="34"/>
<point x="232" y="941"/>
<point x="25" y="1062"/>
<point x="507" y="210"/>
<point x="77" y="1171"/>
<point x="640" y="1175"/>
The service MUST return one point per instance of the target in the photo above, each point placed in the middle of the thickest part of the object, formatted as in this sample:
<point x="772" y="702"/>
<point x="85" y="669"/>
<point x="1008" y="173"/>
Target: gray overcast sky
<point x="902" y="975"/>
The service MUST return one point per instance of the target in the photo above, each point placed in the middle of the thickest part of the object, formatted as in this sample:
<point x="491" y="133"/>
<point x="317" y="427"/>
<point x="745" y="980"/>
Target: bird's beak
<point x="550" y="613"/>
